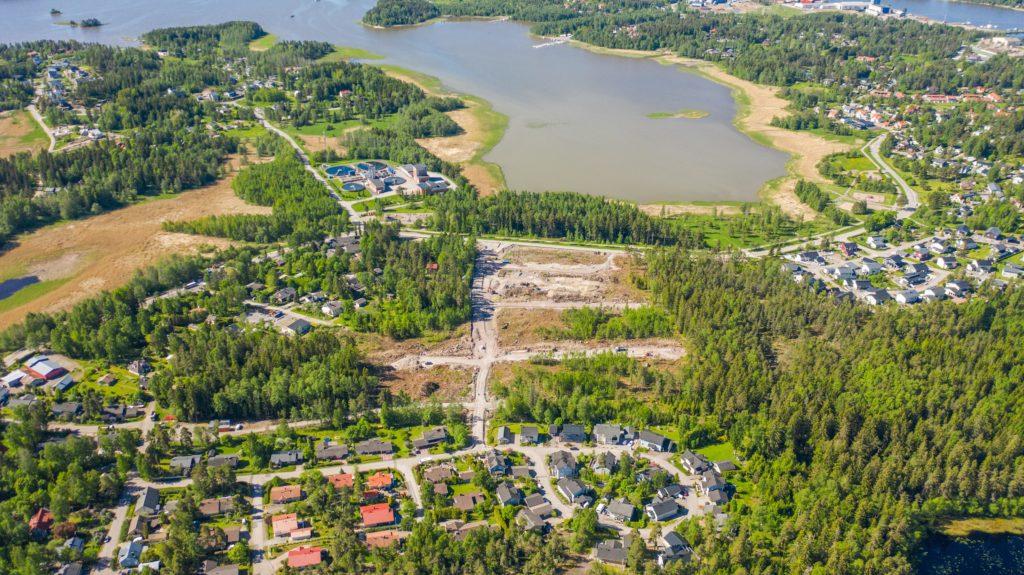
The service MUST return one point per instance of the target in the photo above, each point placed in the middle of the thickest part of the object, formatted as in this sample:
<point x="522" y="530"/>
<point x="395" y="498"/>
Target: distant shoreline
<point x="756" y="105"/>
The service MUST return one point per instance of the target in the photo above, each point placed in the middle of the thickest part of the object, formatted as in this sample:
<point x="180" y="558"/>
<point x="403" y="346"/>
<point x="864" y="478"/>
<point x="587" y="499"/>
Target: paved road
<point x="304" y="158"/>
<point x="49" y="133"/>
<point x="871" y="150"/>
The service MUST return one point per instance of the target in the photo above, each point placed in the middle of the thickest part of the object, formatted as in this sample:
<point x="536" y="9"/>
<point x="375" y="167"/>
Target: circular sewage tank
<point x="353" y="187"/>
<point x="340" y="171"/>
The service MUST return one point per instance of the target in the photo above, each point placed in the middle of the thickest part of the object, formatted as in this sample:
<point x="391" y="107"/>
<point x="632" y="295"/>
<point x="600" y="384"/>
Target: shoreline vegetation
<point x="967" y="526"/>
<point x="756" y="105"/>
<point x="684" y="114"/>
<point x="483" y="127"/>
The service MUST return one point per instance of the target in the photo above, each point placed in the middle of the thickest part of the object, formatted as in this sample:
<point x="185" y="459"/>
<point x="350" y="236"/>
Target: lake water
<point x="979" y="554"/>
<point x="962" y="12"/>
<point x="577" y="120"/>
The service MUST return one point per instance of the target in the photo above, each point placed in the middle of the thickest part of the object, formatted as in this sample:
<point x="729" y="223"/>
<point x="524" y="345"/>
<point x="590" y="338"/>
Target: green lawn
<point x="349" y="53"/>
<point x="29" y="293"/>
<point x="263" y="43"/>
<point x="719" y="452"/>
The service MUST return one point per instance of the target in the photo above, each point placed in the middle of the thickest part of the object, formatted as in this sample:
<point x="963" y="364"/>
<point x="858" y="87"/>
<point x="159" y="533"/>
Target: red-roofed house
<point x="380" y="480"/>
<point x="377" y="514"/>
<point x="285" y="493"/>
<point x="284" y="524"/>
<point x="301" y="557"/>
<point x="385" y="538"/>
<point x="41" y="522"/>
<point x="341" y="480"/>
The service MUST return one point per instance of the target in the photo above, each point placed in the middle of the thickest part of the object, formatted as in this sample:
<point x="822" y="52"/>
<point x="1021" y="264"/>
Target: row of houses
<point x="602" y="434"/>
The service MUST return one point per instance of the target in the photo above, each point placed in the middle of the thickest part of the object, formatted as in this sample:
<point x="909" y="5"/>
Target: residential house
<point x="377" y="515"/>
<point x="711" y="481"/>
<point x="216" y="506"/>
<point x="621" y="510"/>
<point x="139" y="367"/>
<point x="73" y="568"/>
<point x="537" y="504"/>
<point x="285" y="494"/>
<point x="608" y="434"/>
<point x="305" y="557"/>
<point x="495" y="463"/>
<point x="283" y="295"/>
<point x="332" y="309"/>
<point x="570" y="488"/>
<point x="286" y="458"/>
<point x="439" y="473"/>
<point x="993" y="233"/>
<point x="654" y="441"/>
<point x="958" y="288"/>
<point x="223" y="460"/>
<point x="504" y="435"/>
<point x="672" y="491"/>
<point x="673" y="548"/>
<point x="386" y="538"/>
<point x="894" y="262"/>
<point x="341" y="480"/>
<point x="530" y="520"/>
<point x="380" y="480"/>
<point x="933" y="294"/>
<point x="570" y="433"/>
<point x="694" y="462"/>
<point x="946" y="262"/>
<point x="907" y="296"/>
<point x="983" y="266"/>
<point x="430" y="438"/>
<point x="723" y="466"/>
<point x="604" y="463"/>
<point x="284" y="524"/>
<point x="40" y="523"/>
<point x="869" y="267"/>
<point x="129" y="554"/>
<point x="148" y="502"/>
<point x="562" y="464"/>
<point x="66" y="411"/>
<point x="528" y="435"/>
<point x="508" y="494"/>
<point x="877" y="297"/>
<point x="1013" y="271"/>
<point x="184" y="464"/>
<point x="876" y="242"/>
<point x="328" y="450"/>
<point x="467" y="501"/>
<point x="663" y="510"/>
<point x="848" y="249"/>
<point x="374" y="446"/>
<point x="296" y="327"/>
<point x="810" y="258"/>
<point x="612" y="551"/>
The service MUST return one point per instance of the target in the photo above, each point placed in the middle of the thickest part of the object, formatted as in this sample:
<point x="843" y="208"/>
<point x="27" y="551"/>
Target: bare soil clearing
<point x="528" y="255"/>
<point x="102" y="252"/>
<point x="445" y="384"/>
<point x="695" y="209"/>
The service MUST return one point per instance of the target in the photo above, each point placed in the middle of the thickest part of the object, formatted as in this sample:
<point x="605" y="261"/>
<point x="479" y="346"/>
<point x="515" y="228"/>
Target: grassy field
<point x="685" y="113"/>
<point x="19" y="132"/>
<point x="348" y="53"/>
<point x="263" y="43"/>
<point x="29" y="293"/>
<point x="719" y="452"/>
<point x="991" y="525"/>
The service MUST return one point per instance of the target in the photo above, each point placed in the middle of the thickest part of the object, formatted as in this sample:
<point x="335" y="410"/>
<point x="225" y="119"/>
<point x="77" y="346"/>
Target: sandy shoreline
<point x="483" y="127"/>
<point x="756" y="106"/>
